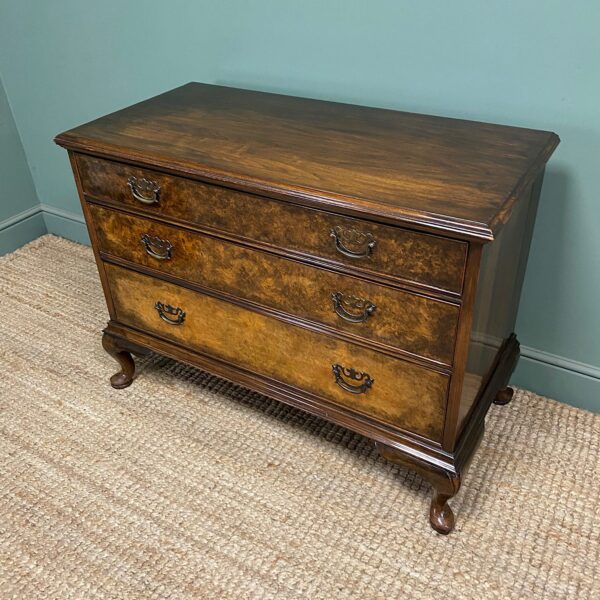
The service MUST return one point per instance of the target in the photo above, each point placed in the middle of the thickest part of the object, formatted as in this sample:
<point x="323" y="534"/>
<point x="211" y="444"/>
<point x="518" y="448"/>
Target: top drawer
<point x="426" y="260"/>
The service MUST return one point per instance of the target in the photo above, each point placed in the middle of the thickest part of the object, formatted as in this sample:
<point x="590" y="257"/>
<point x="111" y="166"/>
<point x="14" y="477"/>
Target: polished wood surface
<point x="412" y="323"/>
<point x="500" y="280"/>
<point x="364" y="265"/>
<point x="124" y="377"/>
<point x="290" y="354"/>
<point x="432" y="171"/>
<point x="433" y="262"/>
<point x="445" y="486"/>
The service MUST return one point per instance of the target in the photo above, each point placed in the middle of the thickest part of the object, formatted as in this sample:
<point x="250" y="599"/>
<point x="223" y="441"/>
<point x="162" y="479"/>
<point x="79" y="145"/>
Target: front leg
<point x="115" y="348"/>
<point x="445" y="485"/>
<point x="441" y="516"/>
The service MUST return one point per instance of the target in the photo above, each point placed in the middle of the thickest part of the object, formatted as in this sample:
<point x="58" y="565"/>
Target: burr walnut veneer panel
<point x="406" y="321"/>
<point x="288" y="353"/>
<point x="428" y="260"/>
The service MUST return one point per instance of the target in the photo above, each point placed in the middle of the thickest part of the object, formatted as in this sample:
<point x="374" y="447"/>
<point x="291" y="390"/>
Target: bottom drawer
<point x="390" y="390"/>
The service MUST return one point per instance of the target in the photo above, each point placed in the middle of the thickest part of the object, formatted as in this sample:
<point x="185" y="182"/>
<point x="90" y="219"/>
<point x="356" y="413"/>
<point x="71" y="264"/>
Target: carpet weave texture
<point x="186" y="486"/>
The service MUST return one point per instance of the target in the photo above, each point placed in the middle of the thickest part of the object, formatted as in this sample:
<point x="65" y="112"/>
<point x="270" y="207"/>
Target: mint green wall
<point x="528" y="63"/>
<point x="20" y="220"/>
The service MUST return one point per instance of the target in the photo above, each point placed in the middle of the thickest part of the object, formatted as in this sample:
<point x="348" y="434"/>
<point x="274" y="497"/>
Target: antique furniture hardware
<point x="170" y="314"/>
<point x="364" y="381"/>
<point x="144" y="190"/>
<point x="345" y="305"/>
<point x="352" y="243"/>
<point x="157" y="248"/>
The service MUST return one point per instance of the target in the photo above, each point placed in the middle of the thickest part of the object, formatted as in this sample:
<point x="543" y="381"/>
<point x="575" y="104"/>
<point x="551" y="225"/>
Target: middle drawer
<point x="405" y="321"/>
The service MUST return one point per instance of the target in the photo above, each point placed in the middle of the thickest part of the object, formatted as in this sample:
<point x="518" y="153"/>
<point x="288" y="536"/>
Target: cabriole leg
<point x="504" y="396"/>
<point x="124" y="377"/>
<point x="445" y="485"/>
<point x="441" y="516"/>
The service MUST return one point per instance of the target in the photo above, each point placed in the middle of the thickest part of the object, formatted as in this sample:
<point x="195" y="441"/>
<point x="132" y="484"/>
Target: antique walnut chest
<point x="362" y="264"/>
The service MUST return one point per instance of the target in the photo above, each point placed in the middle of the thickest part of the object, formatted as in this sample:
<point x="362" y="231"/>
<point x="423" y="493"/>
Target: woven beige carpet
<point x="185" y="486"/>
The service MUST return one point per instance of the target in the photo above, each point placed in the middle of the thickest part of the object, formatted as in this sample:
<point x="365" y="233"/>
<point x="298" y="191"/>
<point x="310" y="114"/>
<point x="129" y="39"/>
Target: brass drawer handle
<point x="353" y="243"/>
<point x="341" y="373"/>
<point x="345" y="306"/>
<point x="157" y="248"/>
<point x="144" y="190"/>
<point x="170" y="314"/>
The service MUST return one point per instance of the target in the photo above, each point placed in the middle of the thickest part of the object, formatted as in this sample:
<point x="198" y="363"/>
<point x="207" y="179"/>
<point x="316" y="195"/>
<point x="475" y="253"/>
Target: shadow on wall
<point x="540" y="311"/>
<point x="560" y="253"/>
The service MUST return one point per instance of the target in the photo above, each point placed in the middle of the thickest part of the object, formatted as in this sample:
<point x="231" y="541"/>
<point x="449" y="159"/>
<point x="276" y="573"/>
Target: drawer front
<point x="423" y="259"/>
<point x="389" y="390"/>
<point x="405" y="321"/>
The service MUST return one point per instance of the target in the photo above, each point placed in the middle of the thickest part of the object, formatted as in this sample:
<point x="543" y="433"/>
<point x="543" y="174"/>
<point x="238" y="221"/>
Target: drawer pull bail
<point x="364" y="381"/>
<point x="352" y="243"/>
<point x="351" y="308"/>
<point x="144" y="190"/>
<point x="170" y="314"/>
<point x="157" y="248"/>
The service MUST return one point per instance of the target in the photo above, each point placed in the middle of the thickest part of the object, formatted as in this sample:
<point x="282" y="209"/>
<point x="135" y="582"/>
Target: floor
<point x="185" y="486"/>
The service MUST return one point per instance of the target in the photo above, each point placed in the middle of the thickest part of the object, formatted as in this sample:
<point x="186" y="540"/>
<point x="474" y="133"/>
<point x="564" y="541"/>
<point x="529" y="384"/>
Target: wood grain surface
<point x="430" y="261"/>
<point x="427" y="170"/>
<point x="403" y="394"/>
<point x="414" y="323"/>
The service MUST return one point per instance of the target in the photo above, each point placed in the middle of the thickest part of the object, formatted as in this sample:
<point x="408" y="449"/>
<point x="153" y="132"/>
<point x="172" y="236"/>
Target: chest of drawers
<point x="364" y="265"/>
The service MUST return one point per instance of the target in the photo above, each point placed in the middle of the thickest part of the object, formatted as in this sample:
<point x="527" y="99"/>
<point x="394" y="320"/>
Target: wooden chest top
<point x="430" y="172"/>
